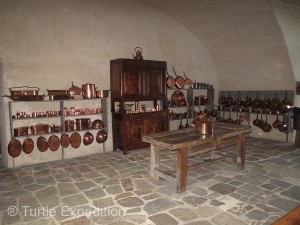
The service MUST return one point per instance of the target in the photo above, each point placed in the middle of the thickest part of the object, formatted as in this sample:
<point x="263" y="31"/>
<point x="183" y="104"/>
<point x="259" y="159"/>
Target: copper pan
<point x="88" y="138"/>
<point x="75" y="140"/>
<point x="28" y="145"/>
<point x="53" y="143"/>
<point x="188" y="81"/>
<point x="65" y="140"/>
<point x="14" y="148"/>
<point x="170" y="81"/>
<point x="177" y="98"/>
<point x="42" y="144"/>
<point x="179" y="80"/>
<point x="97" y="124"/>
<point x="101" y="136"/>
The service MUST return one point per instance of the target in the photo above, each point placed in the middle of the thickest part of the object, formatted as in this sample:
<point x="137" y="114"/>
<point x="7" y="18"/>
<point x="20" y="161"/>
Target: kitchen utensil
<point x="138" y="53"/>
<point x="170" y="81"/>
<point x="267" y="127"/>
<point x="285" y="105"/>
<point x="179" y="80"/>
<point x="188" y="81"/>
<point x="180" y="124"/>
<point x="28" y="145"/>
<point x="88" y="138"/>
<point x="204" y="126"/>
<point x="187" y="123"/>
<point x="256" y="121"/>
<point x="274" y="103"/>
<point x="75" y="140"/>
<point x="69" y="125"/>
<point x="83" y="124"/>
<point x="177" y="98"/>
<point x="58" y="92"/>
<point x="229" y="101"/>
<point x="276" y="122"/>
<point x="65" y="140"/>
<point x="14" y="148"/>
<point x="24" y="90"/>
<point x="248" y="101"/>
<point x="101" y="136"/>
<point x="101" y="93"/>
<point x="265" y="103"/>
<point x="26" y="97"/>
<point x="97" y="124"/>
<point x="256" y="102"/>
<point x="42" y="144"/>
<point x="88" y="90"/>
<point x="222" y="100"/>
<point x="21" y="131"/>
<point x="53" y="143"/>
<point x="39" y="128"/>
<point x="74" y="90"/>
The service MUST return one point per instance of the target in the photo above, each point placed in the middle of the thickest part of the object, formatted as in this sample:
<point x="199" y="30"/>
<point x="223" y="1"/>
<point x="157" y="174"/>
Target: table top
<point x="188" y="137"/>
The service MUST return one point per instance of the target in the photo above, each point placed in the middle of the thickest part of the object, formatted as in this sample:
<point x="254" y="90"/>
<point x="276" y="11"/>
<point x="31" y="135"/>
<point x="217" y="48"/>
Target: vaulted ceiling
<point x="238" y="34"/>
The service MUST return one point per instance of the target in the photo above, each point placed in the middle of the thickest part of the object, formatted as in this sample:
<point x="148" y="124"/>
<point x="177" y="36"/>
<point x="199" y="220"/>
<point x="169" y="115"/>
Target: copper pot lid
<point x="42" y="144"/>
<point x="65" y="140"/>
<point x="101" y="136"/>
<point x="28" y="145"/>
<point x="75" y="140"/>
<point x="88" y="138"/>
<point x="14" y="148"/>
<point x="53" y="143"/>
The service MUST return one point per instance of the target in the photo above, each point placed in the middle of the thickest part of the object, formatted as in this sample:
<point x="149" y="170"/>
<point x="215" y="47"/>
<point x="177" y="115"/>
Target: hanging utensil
<point x="276" y="122"/>
<point x="28" y="145"/>
<point x="53" y="143"/>
<point x="256" y="121"/>
<point x="188" y="81"/>
<point x="101" y="136"/>
<point x="229" y="100"/>
<point x="222" y="100"/>
<point x="14" y="148"/>
<point x="170" y="81"/>
<point x="275" y="103"/>
<point x="187" y="123"/>
<point x="88" y="138"/>
<point x="179" y="80"/>
<point x="285" y="105"/>
<point x="75" y="140"/>
<point x="265" y="103"/>
<point x="256" y="102"/>
<point x="247" y="102"/>
<point x="65" y="140"/>
<point x="267" y="127"/>
<point x="42" y="144"/>
<point x="180" y="125"/>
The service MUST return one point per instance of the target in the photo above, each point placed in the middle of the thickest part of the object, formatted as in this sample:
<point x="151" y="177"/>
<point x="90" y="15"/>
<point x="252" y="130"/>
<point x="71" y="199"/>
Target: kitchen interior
<point x="84" y="81"/>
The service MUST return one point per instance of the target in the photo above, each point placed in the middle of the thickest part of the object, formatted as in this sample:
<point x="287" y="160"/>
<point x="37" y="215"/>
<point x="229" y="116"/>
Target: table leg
<point x="181" y="173"/>
<point x="154" y="161"/>
<point x="241" y="152"/>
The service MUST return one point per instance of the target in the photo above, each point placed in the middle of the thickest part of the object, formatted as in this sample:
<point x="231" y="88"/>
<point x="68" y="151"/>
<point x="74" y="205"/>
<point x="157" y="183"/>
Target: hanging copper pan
<point x="75" y="140"/>
<point x="170" y="81"/>
<point x="14" y="148"/>
<point x="101" y="136"/>
<point x="28" y="145"/>
<point x="65" y="140"/>
<point x="53" y="143"/>
<point x="179" y="80"/>
<point x="97" y="124"/>
<point x="88" y="138"/>
<point x="188" y="81"/>
<point x="42" y="144"/>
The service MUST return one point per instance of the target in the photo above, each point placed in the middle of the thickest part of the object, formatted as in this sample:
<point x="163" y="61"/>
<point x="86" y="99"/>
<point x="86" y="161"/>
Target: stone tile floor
<point x="114" y="189"/>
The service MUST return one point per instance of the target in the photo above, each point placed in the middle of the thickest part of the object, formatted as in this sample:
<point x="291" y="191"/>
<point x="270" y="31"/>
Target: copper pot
<point x="101" y="136"/>
<point x="74" y="90"/>
<point x="69" y="125"/>
<point x="204" y="127"/>
<point x="20" y="131"/>
<point x="83" y="124"/>
<point x="40" y="128"/>
<point x="88" y="90"/>
<point x="88" y="138"/>
<point x="101" y="93"/>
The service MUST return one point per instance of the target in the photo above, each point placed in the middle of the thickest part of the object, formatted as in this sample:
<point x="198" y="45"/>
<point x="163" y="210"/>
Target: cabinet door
<point x="158" y="124"/>
<point x="156" y="83"/>
<point x="132" y="82"/>
<point x="134" y="130"/>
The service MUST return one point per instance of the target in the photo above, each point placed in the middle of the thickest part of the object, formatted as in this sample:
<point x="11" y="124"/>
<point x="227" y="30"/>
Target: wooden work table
<point x="187" y="143"/>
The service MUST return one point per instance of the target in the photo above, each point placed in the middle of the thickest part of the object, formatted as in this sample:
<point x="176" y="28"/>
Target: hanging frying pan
<point x="188" y="81"/>
<point x="28" y="145"/>
<point x="88" y="138"/>
<point x="179" y="80"/>
<point x="75" y="140"/>
<point x="170" y="81"/>
<point x="14" y="148"/>
<point x="53" y="143"/>
<point x="101" y="136"/>
<point x="65" y="140"/>
<point x="42" y="144"/>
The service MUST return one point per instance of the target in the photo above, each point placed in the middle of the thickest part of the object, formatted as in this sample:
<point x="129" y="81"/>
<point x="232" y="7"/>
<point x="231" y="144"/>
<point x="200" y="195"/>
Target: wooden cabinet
<point x="135" y="81"/>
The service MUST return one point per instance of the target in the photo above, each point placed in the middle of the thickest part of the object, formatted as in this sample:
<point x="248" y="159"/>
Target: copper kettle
<point x="88" y="90"/>
<point x="138" y="51"/>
